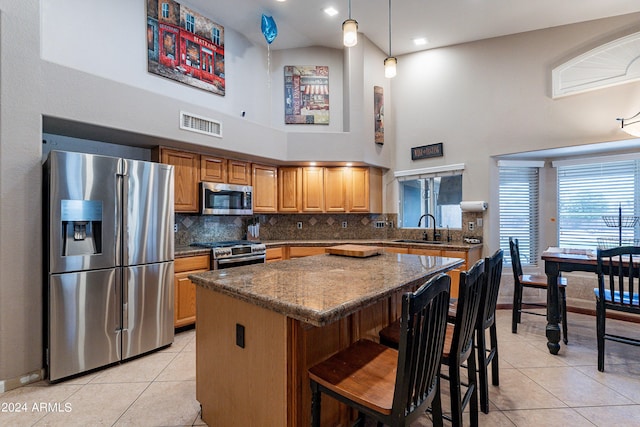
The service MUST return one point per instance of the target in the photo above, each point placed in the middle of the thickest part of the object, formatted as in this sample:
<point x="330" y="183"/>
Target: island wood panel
<point x="267" y="383"/>
<point x="396" y="250"/>
<point x="240" y="386"/>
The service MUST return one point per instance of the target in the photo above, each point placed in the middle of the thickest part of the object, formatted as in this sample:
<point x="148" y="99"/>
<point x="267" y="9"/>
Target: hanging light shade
<point x="631" y="125"/>
<point x="390" y="62"/>
<point x="350" y="30"/>
<point x="390" y="67"/>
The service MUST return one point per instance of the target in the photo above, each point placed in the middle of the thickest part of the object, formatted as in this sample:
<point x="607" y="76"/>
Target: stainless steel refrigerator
<point x="108" y="253"/>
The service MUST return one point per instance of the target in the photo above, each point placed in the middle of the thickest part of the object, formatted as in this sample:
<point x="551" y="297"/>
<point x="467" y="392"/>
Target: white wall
<point x="492" y="97"/>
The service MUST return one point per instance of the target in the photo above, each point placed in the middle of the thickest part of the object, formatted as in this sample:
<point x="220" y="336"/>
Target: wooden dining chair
<point x="537" y="281"/>
<point x="393" y="387"/>
<point x="488" y="354"/>
<point x="618" y="290"/>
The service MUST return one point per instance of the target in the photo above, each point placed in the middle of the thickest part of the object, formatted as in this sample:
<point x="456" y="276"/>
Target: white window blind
<point x="519" y="211"/>
<point x="588" y="192"/>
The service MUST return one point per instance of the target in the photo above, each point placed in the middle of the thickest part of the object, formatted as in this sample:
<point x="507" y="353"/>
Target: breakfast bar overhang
<point x="261" y="327"/>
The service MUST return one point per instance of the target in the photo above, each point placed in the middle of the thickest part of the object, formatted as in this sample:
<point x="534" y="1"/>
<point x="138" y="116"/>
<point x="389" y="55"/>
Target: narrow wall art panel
<point x="378" y="114"/>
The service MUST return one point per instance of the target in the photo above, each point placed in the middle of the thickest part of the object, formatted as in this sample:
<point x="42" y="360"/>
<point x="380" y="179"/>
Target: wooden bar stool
<point x="393" y="387"/>
<point x="458" y="348"/>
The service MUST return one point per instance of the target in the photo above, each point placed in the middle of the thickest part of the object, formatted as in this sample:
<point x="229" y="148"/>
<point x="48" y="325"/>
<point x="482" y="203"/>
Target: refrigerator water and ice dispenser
<point x="81" y="224"/>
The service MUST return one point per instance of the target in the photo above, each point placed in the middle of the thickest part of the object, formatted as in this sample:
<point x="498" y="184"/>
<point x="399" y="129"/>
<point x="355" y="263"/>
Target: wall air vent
<point x="195" y="123"/>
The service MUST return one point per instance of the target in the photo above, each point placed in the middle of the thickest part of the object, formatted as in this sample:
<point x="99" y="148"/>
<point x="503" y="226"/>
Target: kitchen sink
<point x="426" y="242"/>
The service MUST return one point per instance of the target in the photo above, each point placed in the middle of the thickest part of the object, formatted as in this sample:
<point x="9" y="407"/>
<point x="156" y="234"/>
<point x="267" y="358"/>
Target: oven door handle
<point x="240" y="259"/>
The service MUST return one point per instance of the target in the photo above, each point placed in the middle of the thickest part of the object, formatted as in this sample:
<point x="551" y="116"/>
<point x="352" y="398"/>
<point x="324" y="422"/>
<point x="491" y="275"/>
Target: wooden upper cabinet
<point x="265" y="183"/>
<point x="364" y="190"/>
<point x="290" y="189"/>
<point x="335" y="189"/>
<point x="186" y="178"/>
<point x="313" y="189"/>
<point x="213" y="169"/>
<point x="238" y="172"/>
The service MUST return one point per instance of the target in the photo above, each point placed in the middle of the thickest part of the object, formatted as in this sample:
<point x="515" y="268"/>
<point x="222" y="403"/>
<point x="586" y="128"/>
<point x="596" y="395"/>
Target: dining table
<point x="558" y="260"/>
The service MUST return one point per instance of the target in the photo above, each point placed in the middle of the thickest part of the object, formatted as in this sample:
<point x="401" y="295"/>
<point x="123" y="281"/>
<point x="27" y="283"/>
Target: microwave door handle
<point x="240" y="259"/>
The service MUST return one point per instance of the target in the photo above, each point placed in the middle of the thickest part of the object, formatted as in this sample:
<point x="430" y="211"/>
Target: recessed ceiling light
<point x="349" y="164"/>
<point x="281" y="1"/>
<point x="312" y="163"/>
<point x="331" y="11"/>
<point x="420" y="41"/>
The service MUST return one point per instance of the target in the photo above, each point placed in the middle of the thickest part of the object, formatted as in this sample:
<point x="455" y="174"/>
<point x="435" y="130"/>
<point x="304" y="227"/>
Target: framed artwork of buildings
<point x="185" y="46"/>
<point x="306" y="94"/>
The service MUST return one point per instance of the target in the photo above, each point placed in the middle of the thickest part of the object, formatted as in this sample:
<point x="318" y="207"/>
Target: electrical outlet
<point x="471" y="225"/>
<point x="344" y="224"/>
<point x="175" y="228"/>
<point x="379" y="224"/>
<point x="299" y="225"/>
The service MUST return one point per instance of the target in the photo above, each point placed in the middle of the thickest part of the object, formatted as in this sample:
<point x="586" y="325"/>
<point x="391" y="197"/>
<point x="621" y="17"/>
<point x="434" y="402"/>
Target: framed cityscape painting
<point x="306" y="94"/>
<point x="185" y="46"/>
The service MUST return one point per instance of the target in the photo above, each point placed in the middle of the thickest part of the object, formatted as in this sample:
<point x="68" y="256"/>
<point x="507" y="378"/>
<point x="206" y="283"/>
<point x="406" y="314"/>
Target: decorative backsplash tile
<point x="196" y="228"/>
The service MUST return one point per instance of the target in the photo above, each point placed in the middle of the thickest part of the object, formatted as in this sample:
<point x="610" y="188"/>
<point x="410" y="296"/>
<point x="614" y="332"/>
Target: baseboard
<point x="12" y="383"/>
<point x="588" y="311"/>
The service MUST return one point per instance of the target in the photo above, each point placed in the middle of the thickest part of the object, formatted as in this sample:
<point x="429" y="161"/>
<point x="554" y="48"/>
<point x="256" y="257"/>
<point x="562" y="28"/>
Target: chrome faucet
<point x="436" y="236"/>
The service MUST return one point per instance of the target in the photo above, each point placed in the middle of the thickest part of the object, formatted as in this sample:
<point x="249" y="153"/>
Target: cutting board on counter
<point x="358" y="251"/>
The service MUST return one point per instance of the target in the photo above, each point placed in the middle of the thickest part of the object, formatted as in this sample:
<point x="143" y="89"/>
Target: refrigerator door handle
<point x="125" y="301"/>
<point x="118" y="305"/>
<point x="122" y="220"/>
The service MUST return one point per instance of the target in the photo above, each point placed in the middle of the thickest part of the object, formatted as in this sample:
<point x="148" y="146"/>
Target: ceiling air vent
<point x="194" y="123"/>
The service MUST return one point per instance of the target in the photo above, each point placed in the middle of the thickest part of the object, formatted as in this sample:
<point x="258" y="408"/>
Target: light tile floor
<point x="536" y="388"/>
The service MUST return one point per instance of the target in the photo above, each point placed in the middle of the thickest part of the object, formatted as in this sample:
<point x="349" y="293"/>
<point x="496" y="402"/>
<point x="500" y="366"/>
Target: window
<point x="439" y="196"/>
<point x="519" y="210"/>
<point x="215" y="36"/>
<point x="165" y="10"/>
<point x="588" y="192"/>
<point x="190" y="23"/>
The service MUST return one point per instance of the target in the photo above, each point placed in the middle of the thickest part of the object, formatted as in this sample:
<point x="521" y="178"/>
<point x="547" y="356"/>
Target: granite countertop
<point x="324" y="288"/>
<point x="185" y="250"/>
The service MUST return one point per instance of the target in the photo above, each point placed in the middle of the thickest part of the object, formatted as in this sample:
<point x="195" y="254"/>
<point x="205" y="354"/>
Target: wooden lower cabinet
<point x="301" y="251"/>
<point x="184" y="310"/>
<point x="275" y="254"/>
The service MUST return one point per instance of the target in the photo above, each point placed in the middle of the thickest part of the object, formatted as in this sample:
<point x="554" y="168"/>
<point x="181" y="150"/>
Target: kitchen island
<point x="260" y="327"/>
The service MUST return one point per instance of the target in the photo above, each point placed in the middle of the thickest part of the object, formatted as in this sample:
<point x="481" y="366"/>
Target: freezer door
<point x="83" y="321"/>
<point x="147" y="321"/>
<point x="147" y="212"/>
<point x="81" y="198"/>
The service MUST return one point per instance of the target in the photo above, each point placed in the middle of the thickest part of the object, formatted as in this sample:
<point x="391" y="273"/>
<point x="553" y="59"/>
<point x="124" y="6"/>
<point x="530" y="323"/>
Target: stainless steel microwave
<point x="225" y="199"/>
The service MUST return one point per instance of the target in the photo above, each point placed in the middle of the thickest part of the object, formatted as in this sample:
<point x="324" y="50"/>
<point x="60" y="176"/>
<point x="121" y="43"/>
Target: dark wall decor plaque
<point x="427" y="151"/>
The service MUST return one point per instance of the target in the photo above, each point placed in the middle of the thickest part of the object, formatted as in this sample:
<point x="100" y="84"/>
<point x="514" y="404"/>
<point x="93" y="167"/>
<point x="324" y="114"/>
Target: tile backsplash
<point x="208" y="228"/>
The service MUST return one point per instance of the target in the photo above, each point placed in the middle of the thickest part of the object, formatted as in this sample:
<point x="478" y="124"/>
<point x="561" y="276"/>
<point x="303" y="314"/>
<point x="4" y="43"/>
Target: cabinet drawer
<point x="198" y="262"/>
<point x="274" y="254"/>
<point x="300" y="251"/>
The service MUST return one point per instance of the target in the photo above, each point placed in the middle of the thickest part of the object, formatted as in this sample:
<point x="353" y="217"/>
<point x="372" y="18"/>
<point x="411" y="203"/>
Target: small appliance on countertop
<point x="234" y="253"/>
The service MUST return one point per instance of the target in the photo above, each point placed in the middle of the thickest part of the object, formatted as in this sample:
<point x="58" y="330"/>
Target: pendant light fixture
<point x="390" y="62"/>
<point x="350" y="30"/>
<point x="631" y="126"/>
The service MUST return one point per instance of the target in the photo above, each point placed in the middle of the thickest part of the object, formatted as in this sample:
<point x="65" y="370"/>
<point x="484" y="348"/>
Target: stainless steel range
<point x="234" y="253"/>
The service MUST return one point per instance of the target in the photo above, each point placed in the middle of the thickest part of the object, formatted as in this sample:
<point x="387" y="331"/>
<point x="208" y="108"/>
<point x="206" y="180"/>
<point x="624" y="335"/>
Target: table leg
<point x="553" y="316"/>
